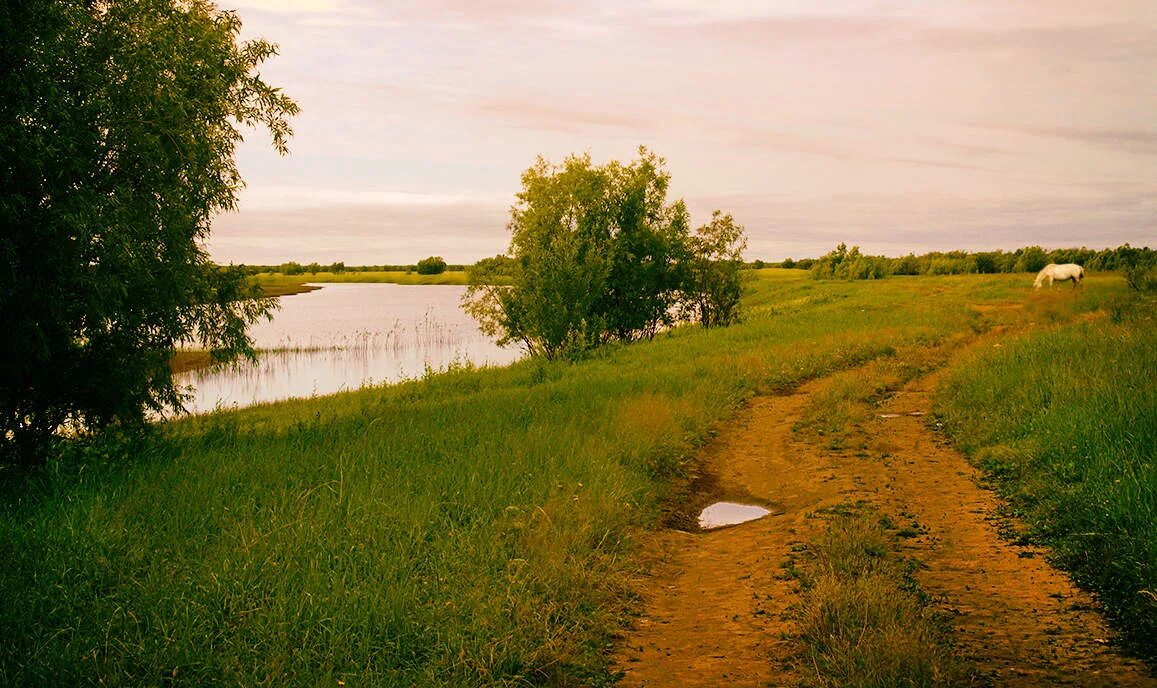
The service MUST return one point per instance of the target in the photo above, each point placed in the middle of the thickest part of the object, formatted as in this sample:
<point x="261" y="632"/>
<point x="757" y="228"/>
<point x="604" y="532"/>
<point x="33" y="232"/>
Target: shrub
<point x="434" y="265"/>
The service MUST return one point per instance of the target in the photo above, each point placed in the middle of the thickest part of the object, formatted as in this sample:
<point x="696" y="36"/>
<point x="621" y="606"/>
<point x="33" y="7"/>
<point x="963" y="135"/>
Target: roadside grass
<point x="471" y="528"/>
<point x="863" y="618"/>
<point x="1064" y="422"/>
<point x="835" y="417"/>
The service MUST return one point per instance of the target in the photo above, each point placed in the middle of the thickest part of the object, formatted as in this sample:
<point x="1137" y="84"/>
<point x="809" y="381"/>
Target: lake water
<point x="347" y="336"/>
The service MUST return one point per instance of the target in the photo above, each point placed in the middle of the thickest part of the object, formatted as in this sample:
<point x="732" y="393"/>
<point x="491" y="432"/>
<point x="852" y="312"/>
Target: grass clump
<point x="863" y="618"/>
<point x="1064" y="421"/>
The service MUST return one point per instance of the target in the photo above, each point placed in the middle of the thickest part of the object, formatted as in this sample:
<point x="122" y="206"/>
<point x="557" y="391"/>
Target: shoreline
<point x="186" y="360"/>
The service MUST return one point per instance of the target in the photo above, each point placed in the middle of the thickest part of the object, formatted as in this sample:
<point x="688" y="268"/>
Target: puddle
<point x="722" y="514"/>
<point x="897" y="415"/>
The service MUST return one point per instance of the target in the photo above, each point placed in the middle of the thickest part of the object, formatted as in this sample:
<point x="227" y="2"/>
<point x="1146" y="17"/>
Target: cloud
<point x="768" y="31"/>
<point x="907" y="124"/>
<point x="1111" y="42"/>
<point x="1139" y="141"/>
<point x="778" y="141"/>
<point x="361" y="234"/>
<point x="266" y="198"/>
<point x="895" y="224"/>
<point x="540" y="115"/>
<point x="287" y="6"/>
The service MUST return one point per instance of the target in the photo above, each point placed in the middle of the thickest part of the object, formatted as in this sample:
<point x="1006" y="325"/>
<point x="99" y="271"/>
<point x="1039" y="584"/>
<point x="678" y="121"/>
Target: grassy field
<point x="472" y="528"/>
<point x="279" y="284"/>
<point x="1064" y="420"/>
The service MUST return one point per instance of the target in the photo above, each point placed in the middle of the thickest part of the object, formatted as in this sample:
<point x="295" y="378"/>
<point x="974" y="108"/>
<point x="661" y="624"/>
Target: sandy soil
<point x="717" y="607"/>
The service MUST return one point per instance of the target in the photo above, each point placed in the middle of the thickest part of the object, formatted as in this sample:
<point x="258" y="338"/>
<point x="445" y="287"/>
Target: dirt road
<point x="718" y="608"/>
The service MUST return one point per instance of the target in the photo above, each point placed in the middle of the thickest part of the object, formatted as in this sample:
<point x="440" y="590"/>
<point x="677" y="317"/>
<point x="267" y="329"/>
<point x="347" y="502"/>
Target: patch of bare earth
<point x="717" y="607"/>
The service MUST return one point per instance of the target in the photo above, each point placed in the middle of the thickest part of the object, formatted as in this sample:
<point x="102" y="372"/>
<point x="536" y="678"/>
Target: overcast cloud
<point x="899" y="126"/>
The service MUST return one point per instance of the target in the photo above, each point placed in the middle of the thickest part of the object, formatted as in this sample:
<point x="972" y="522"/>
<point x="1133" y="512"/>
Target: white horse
<point x="1060" y="273"/>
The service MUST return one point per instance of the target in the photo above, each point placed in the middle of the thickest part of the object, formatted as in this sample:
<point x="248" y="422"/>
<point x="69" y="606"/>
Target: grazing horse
<point x="1060" y="273"/>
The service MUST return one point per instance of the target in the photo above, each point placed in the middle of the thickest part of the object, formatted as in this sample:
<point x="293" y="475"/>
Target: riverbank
<point x="274" y="282"/>
<point x="478" y="527"/>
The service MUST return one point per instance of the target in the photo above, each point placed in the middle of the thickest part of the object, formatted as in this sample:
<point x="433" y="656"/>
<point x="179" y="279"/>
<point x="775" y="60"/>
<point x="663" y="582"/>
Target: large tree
<point x="118" y="125"/>
<point x="598" y="254"/>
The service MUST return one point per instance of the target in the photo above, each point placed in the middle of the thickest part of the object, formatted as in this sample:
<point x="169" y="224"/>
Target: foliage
<point x="599" y="255"/>
<point x="1065" y="423"/>
<point x="908" y="265"/>
<point x="1030" y="259"/>
<point x="118" y="124"/>
<point x="496" y="270"/>
<point x="843" y="264"/>
<point x="713" y="288"/>
<point x="1142" y="274"/>
<point x="434" y="265"/>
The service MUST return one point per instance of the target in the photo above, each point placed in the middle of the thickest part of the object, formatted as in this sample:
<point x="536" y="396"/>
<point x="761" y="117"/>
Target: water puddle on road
<point x="722" y="514"/>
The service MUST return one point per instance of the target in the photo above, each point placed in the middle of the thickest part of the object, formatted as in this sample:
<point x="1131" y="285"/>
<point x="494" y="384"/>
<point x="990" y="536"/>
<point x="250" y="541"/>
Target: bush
<point x="1142" y="277"/>
<point x="434" y="265"/>
<point x="1030" y="259"/>
<point x="845" y="264"/>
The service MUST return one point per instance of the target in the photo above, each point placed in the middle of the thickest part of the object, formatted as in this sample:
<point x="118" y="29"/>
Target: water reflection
<point x="347" y="336"/>
<point x="722" y="514"/>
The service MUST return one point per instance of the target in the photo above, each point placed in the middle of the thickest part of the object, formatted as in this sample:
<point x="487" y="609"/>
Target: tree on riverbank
<point x="118" y="125"/>
<point x="597" y="254"/>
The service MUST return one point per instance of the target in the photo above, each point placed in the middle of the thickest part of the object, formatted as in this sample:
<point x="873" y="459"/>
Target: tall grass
<point x="472" y="528"/>
<point x="865" y="622"/>
<point x="1065" y="423"/>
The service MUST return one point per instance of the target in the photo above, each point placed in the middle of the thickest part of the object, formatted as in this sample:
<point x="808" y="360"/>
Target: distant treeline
<point x="850" y="264"/>
<point x="293" y="268"/>
<point x="840" y="263"/>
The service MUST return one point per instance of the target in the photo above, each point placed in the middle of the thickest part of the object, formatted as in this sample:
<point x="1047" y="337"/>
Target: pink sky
<point x="898" y="126"/>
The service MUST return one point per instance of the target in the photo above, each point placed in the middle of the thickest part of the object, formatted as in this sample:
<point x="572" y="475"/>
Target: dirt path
<point x="718" y="608"/>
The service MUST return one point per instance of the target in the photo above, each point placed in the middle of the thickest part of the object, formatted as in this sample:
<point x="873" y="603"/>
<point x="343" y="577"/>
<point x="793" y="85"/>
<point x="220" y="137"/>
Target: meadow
<point x="480" y="526"/>
<point x="280" y="284"/>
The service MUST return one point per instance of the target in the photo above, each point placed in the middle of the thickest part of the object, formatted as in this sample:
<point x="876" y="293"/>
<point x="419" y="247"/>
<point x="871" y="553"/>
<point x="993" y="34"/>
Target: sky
<point x="899" y="126"/>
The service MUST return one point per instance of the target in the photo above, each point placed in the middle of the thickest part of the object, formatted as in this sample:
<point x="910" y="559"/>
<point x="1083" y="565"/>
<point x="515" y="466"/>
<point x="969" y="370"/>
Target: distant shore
<point x="278" y="284"/>
<point x="185" y="360"/>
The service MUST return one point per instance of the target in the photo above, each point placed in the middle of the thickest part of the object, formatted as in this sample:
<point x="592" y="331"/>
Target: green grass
<point x="835" y="417"/>
<point x="473" y="528"/>
<point x="1064" y="421"/>
<point x="273" y="279"/>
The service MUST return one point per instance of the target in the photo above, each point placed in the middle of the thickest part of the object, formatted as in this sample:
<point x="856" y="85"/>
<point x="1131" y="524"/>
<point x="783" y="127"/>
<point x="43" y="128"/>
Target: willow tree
<point x="118" y="127"/>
